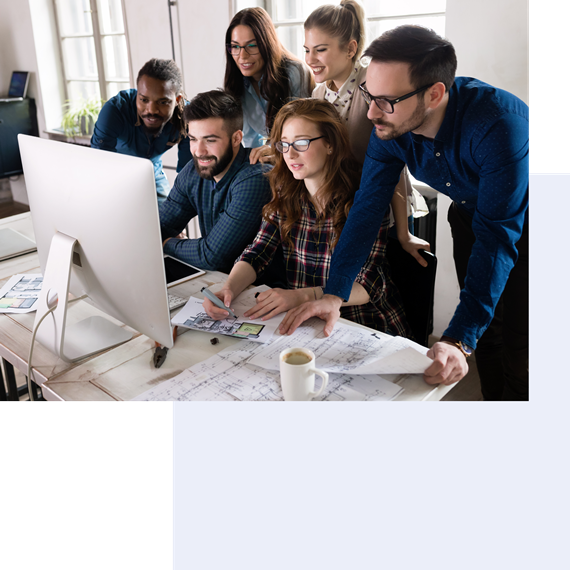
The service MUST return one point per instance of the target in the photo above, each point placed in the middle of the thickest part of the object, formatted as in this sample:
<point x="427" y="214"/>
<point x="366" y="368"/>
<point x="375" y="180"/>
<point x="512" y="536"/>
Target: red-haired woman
<point x="313" y="184"/>
<point x="261" y="73"/>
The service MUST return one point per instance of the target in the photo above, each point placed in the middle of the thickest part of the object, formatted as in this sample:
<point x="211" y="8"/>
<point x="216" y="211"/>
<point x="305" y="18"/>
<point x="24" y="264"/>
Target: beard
<point x="154" y="131"/>
<point x="414" y="122"/>
<point x="219" y="164"/>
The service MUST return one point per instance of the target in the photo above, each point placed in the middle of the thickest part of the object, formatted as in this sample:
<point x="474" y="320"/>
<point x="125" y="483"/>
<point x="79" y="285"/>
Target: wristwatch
<point x="464" y="348"/>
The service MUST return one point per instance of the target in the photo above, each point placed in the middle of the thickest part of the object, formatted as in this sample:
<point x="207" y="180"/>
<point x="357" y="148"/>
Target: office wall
<point x="491" y="40"/>
<point x="199" y="29"/>
<point x="18" y="51"/>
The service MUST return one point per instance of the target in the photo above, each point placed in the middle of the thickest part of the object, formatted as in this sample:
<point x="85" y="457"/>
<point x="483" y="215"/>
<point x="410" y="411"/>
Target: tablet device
<point x="19" y="84"/>
<point x="178" y="271"/>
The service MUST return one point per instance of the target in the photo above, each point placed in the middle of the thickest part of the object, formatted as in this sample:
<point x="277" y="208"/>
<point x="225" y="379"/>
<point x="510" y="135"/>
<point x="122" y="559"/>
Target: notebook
<point x="13" y="243"/>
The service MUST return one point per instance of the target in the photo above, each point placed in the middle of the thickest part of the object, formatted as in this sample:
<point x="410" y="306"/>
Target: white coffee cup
<point x="297" y="367"/>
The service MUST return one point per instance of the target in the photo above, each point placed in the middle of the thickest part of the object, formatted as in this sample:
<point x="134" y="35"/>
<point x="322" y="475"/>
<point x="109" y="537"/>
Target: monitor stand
<point x="84" y="338"/>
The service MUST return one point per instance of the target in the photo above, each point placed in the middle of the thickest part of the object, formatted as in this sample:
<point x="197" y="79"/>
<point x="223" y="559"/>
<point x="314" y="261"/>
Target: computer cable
<point x="29" y="377"/>
<point x="49" y="311"/>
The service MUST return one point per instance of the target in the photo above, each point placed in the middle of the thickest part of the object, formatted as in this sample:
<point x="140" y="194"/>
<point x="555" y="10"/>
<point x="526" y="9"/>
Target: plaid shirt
<point x="307" y="263"/>
<point x="229" y="213"/>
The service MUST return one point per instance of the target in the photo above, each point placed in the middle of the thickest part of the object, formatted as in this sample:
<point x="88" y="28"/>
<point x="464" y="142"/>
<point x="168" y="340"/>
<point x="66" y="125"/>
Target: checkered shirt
<point x="307" y="263"/>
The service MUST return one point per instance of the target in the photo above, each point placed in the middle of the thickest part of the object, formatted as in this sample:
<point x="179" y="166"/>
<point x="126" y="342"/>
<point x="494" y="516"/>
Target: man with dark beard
<point x="467" y="140"/>
<point x="147" y="121"/>
<point x="219" y="186"/>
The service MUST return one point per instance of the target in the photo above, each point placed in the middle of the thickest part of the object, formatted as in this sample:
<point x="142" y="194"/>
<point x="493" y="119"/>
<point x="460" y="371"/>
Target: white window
<point x="93" y="47"/>
<point x="289" y="16"/>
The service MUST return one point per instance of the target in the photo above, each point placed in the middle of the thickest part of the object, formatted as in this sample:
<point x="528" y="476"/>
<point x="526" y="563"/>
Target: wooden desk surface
<point x="123" y="372"/>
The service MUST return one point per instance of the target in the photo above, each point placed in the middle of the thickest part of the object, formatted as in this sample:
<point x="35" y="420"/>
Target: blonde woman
<point x="335" y="37"/>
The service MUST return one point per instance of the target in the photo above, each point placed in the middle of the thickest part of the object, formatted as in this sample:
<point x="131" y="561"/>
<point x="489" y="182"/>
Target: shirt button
<point x="463" y="201"/>
<point x="437" y="153"/>
<point x="448" y="183"/>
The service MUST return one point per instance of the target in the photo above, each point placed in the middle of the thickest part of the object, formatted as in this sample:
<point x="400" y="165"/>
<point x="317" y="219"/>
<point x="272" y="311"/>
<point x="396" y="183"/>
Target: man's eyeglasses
<point x="235" y="49"/>
<point x="300" y="145"/>
<point x="387" y="105"/>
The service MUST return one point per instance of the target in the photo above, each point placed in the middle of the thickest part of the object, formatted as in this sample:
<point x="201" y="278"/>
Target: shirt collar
<point x="347" y="89"/>
<point x="447" y="127"/>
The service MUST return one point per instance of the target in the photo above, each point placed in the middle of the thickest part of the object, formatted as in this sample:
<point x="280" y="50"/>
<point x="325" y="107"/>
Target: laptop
<point x="18" y="86"/>
<point x="13" y="243"/>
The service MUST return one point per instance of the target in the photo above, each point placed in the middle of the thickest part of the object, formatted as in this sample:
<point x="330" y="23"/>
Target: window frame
<point x="97" y="36"/>
<point x="271" y="8"/>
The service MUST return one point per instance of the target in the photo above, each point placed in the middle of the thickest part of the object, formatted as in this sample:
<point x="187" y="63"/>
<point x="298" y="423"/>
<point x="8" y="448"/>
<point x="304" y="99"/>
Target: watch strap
<point x="464" y="348"/>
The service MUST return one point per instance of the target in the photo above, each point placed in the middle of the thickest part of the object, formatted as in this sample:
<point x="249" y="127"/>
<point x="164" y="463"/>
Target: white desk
<point x="123" y="372"/>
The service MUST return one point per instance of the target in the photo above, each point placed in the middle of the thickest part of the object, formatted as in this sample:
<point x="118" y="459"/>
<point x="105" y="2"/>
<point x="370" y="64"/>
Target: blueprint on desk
<point x="230" y="376"/>
<point x="349" y="350"/>
<point x="354" y="357"/>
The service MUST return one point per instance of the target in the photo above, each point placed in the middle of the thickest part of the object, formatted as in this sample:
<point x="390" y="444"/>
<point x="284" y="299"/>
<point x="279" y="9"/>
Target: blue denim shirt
<point x="479" y="158"/>
<point x="255" y="107"/>
<point x="119" y="129"/>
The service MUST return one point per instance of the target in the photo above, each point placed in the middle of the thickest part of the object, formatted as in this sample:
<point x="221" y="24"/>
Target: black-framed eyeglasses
<point x="300" y="146"/>
<point x="235" y="49"/>
<point x="387" y="105"/>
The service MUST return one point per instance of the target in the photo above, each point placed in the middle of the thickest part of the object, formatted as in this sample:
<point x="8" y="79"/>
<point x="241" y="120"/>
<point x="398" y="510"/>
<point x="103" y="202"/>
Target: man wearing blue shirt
<point x="219" y="185"/>
<point x="147" y="121"/>
<point x="468" y="140"/>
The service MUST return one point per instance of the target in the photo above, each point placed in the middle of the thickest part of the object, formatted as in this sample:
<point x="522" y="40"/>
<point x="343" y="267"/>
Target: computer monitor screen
<point x="107" y="202"/>
<point x="18" y="84"/>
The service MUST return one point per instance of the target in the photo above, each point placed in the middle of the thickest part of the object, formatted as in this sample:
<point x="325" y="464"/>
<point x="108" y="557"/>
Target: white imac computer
<point x="95" y="218"/>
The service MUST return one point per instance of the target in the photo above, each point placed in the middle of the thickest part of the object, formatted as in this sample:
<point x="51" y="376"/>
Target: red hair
<point x="342" y="175"/>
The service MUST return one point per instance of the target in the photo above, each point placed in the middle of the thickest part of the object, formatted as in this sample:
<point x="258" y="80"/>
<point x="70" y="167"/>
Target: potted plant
<point x="80" y="116"/>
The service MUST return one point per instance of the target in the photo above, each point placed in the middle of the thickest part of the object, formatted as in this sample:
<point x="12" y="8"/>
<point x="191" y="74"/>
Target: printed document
<point x="20" y="293"/>
<point x="193" y="316"/>
<point x="229" y="376"/>
<point x="349" y="349"/>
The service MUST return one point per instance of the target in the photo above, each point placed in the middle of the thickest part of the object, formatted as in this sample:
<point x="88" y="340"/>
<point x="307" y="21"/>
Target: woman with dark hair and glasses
<point x="261" y="73"/>
<point x="313" y="184"/>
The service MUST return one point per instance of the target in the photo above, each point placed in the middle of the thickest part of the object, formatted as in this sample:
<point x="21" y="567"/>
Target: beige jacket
<point x="359" y="126"/>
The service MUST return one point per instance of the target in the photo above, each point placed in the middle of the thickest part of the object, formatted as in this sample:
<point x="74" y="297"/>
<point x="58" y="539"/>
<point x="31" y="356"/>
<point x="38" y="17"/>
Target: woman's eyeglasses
<point x="235" y="49"/>
<point x="300" y="145"/>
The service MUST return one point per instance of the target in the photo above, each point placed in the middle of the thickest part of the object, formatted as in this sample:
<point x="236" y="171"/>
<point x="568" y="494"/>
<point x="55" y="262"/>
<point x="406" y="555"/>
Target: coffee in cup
<point x="297" y="367"/>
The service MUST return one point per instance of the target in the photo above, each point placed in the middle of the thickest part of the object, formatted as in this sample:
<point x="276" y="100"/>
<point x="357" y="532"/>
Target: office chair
<point x="416" y="285"/>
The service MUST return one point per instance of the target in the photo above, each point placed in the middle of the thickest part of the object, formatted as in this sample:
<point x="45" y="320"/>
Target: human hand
<point x="449" y="364"/>
<point x="214" y="311"/>
<point x="275" y="301"/>
<point x="181" y="235"/>
<point x="412" y="245"/>
<point x="261" y="154"/>
<point x="327" y="309"/>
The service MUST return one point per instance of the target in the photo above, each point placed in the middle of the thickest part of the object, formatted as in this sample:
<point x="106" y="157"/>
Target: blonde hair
<point x="346" y="22"/>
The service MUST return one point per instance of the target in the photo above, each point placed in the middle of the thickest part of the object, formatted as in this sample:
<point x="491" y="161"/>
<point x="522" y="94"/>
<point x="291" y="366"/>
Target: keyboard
<point x="174" y="302"/>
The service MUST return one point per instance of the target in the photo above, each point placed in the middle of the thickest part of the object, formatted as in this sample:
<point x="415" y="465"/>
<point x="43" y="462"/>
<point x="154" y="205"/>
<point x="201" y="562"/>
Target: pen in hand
<point x="218" y="302"/>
